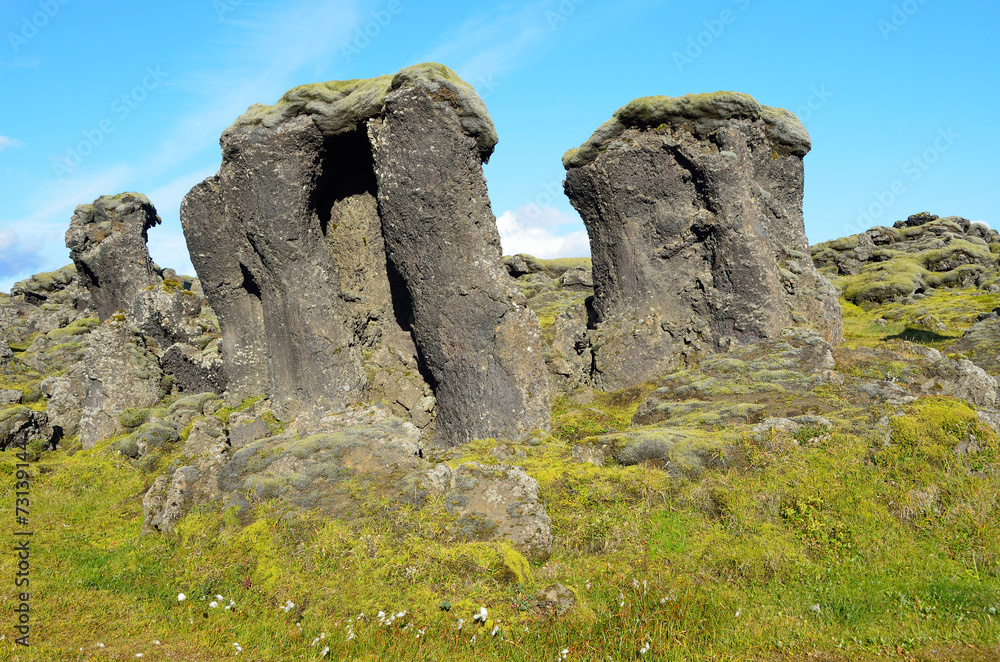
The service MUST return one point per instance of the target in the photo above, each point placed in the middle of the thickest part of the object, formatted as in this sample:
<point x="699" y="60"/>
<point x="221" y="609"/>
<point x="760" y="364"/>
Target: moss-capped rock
<point x="698" y="113"/>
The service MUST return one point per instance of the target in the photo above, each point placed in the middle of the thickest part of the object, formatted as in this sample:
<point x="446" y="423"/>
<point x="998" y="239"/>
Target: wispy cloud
<point x="545" y="232"/>
<point x="7" y="142"/>
<point x="18" y="258"/>
<point x="487" y="44"/>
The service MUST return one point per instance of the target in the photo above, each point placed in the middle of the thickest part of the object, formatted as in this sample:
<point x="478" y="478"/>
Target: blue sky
<point x="900" y="97"/>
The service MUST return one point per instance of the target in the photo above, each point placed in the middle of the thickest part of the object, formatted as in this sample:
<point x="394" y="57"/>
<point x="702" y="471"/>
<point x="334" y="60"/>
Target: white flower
<point x="218" y="597"/>
<point x="815" y="608"/>
<point x="325" y="652"/>
<point x="644" y="649"/>
<point x="496" y="628"/>
<point x="738" y="612"/>
<point x="156" y="642"/>
<point x="138" y="654"/>
<point x="461" y="622"/>
<point x="481" y="616"/>
<point x="213" y="605"/>
<point x="181" y="597"/>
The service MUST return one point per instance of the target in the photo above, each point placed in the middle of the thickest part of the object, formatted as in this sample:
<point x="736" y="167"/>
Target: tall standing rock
<point x="291" y="246"/>
<point x="693" y="205"/>
<point x="107" y="241"/>
<point x="481" y="342"/>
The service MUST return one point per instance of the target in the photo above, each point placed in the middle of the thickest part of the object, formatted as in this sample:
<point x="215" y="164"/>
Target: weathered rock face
<point x="290" y="241"/>
<point x="121" y="373"/>
<point x="694" y="210"/>
<point x="107" y="241"/>
<point x="481" y="342"/>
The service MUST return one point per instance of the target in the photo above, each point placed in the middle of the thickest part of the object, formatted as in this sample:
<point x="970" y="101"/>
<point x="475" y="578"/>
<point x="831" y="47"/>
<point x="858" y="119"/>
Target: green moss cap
<point x="699" y="113"/>
<point x="339" y="106"/>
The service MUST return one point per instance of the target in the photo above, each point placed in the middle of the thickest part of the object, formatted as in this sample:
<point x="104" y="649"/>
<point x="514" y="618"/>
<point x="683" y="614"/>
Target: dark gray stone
<point x="107" y="242"/>
<point x="290" y="238"/>
<point x="481" y="342"/>
<point x="694" y="210"/>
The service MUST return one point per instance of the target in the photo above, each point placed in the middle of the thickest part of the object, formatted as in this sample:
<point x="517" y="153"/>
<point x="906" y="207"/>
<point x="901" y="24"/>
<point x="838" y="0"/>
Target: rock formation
<point x="694" y="209"/>
<point x="912" y="257"/>
<point x="107" y="242"/>
<point x="347" y="247"/>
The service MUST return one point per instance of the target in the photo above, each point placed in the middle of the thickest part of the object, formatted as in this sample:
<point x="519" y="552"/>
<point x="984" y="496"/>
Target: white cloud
<point x="545" y="232"/>
<point x="7" y="142"/>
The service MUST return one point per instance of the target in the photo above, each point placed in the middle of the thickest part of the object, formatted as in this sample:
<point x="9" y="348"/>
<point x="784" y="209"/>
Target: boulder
<point x="19" y="426"/>
<point x="121" y="373"/>
<point x="107" y="242"/>
<point x="495" y="501"/>
<point x="694" y="210"/>
<point x="330" y="247"/>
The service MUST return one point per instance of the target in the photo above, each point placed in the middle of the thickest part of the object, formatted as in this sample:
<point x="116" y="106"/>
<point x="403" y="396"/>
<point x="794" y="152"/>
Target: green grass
<point x="848" y="541"/>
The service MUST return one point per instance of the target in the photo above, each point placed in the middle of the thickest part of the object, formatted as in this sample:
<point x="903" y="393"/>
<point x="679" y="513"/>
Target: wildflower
<point x="138" y="654"/>
<point x="564" y="654"/>
<point x="181" y="597"/>
<point x="213" y="605"/>
<point x="496" y="628"/>
<point x="232" y="603"/>
<point x="473" y="640"/>
<point x="288" y="606"/>
<point x="350" y="635"/>
<point x="461" y="622"/>
<point x="621" y="599"/>
<point x="815" y="608"/>
<point x="325" y="652"/>
<point x="738" y="612"/>
<point x="218" y="597"/>
<point x="401" y="614"/>
<point x="156" y="642"/>
<point x="645" y="648"/>
<point x="239" y="649"/>
<point x="481" y="616"/>
<point x="587" y="584"/>
<point x="635" y="583"/>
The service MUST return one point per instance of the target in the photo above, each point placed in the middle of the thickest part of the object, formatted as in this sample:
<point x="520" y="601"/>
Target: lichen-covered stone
<point x="925" y="251"/>
<point x="120" y="373"/>
<point x="495" y="501"/>
<point x="694" y="210"/>
<point x="107" y="242"/>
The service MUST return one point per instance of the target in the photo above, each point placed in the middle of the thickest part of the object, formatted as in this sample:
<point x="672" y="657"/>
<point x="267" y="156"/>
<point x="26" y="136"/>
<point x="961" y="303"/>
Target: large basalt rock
<point x="290" y="242"/>
<point x="481" y="342"/>
<point x="694" y="209"/>
<point x="107" y="242"/>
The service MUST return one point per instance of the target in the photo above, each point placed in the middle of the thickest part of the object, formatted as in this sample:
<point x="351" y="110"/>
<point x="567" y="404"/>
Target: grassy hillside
<point x="869" y="533"/>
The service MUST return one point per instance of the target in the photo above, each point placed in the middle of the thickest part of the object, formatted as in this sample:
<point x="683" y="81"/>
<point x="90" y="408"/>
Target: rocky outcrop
<point x="107" y="242"/>
<point x="121" y="373"/>
<point x="43" y="303"/>
<point x="914" y="256"/>
<point x="694" y="210"/>
<point x="341" y="272"/>
<point x="19" y="426"/>
<point x="481" y="342"/>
